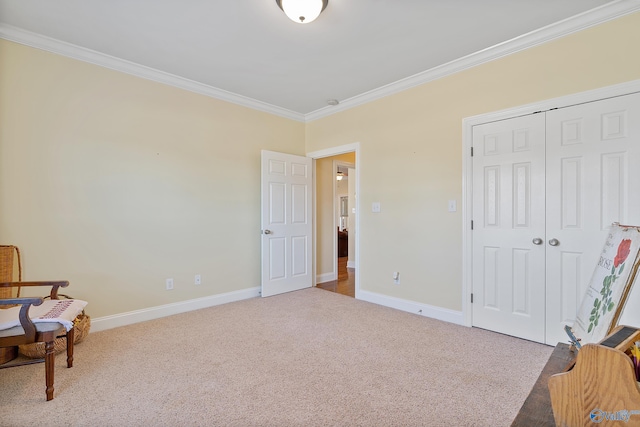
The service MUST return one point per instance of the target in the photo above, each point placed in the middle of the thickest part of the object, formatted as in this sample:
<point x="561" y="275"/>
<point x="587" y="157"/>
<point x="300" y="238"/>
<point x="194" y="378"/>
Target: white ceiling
<point x="248" y="51"/>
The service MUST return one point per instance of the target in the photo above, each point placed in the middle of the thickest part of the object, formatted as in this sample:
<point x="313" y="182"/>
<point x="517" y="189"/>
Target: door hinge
<point x="471" y="151"/>
<point x="472" y="298"/>
<point x="472" y="224"/>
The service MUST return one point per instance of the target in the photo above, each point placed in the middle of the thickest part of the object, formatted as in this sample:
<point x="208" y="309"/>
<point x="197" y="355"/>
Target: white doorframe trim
<point x="467" y="170"/>
<point x="329" y="152"/>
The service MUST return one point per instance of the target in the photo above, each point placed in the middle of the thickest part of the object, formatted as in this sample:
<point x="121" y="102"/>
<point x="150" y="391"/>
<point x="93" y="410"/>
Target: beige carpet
<point x="307" y="358"/>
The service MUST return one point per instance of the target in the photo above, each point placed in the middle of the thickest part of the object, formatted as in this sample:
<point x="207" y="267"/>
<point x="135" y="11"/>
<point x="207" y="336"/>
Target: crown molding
<point x="28" y="38"/>
<point x="551" y="32"/>
<point x="543" y="35"/>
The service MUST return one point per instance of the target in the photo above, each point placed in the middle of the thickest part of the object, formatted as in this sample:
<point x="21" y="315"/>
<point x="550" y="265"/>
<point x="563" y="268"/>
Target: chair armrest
<point x="54" y="286"/>
<point x="26" y="323"/>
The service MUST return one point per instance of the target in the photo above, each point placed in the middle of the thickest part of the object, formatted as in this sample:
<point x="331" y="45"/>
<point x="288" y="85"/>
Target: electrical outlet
<point x="198" y="280"/>
<point x="169" y="283"/>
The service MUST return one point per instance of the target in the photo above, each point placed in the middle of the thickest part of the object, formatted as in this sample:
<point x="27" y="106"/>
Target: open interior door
<point x="287" y="223"/>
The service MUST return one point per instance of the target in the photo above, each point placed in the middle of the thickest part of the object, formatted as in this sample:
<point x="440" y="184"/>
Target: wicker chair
<point x="52" y="331"/>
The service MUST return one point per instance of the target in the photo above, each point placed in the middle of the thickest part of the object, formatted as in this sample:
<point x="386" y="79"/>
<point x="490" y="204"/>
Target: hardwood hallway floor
<point x="346" y="283"/>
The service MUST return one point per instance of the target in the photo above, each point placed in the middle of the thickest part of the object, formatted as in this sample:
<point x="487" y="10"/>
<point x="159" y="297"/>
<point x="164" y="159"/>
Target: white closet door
<point x="508" y="204"/>
<point x="593" y="180"/>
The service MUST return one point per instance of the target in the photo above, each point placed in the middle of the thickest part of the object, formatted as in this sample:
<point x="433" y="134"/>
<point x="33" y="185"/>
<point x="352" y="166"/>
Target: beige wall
<point x="325" y="213"/>
<point x="411" y="159"/>
<point x="116" y="183"/>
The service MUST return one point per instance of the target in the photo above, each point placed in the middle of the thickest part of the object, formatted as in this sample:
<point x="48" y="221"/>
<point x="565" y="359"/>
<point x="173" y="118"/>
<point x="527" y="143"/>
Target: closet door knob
<point x="267" y="232"/>
<point x="537" y="241"/>
<point x="554" y="242"/>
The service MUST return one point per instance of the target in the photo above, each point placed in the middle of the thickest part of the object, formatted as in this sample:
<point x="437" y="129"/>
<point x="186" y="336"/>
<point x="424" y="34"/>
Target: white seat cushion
<point x="40" y="327"/>
<point x="56" y="312"/>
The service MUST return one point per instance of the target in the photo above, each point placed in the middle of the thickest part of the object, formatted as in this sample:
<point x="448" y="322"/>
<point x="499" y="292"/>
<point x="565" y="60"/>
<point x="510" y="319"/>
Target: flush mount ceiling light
<point x="302" y="11"/>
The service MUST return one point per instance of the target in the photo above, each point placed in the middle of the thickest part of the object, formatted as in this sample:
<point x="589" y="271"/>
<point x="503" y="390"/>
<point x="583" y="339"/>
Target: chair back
<point x="9" y="258"/>
<point x="7" y="264"/>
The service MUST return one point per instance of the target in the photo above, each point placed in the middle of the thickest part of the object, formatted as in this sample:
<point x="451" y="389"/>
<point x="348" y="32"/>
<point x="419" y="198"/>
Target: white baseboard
<point x="351" y="264"/>
<point x="431" y="311"/>
<point x="136" y="316"/>
<point x="326" y="277"/>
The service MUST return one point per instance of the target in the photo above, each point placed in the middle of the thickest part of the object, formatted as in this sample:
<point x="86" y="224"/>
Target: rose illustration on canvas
<point x="605" y="304"/>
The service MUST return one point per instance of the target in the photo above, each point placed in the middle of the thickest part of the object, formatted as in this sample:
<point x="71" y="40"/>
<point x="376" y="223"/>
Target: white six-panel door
<point x="593" y="180"/>
<point x="541" y="211"/>
<point x="287" y="223"/>
<point x="508" y="205"/>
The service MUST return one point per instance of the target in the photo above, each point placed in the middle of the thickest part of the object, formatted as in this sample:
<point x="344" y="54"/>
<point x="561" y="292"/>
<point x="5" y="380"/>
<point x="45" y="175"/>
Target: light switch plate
<point x="452" y="206"/>
<point x="375" y="207"/>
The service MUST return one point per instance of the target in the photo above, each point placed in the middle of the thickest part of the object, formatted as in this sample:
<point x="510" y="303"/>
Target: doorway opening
<point x="336" y="220"/>
<point x="344" y="219"/>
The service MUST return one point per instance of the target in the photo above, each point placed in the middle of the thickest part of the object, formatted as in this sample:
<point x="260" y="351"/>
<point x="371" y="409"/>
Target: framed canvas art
<point x="609" y="286"/>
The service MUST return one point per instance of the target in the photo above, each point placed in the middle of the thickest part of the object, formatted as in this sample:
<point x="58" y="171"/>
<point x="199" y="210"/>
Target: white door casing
<point x="287" y="223"/>
<point x="592" y="180"/>
<point x="508" y="201"/>
<point x="334" y="151"/>
<point x="468" y="123"/>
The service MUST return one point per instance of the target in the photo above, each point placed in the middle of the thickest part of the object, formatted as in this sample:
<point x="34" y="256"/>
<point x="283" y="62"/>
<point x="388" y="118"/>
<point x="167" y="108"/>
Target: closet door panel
<point x="508" y="268"/>
<point x="593" y="180"/>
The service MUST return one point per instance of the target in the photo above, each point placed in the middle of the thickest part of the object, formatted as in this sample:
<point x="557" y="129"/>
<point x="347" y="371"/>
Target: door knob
<point x="554" y="242"/>
<point x="537" y="241"/>
<point x="266" y="232"/>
